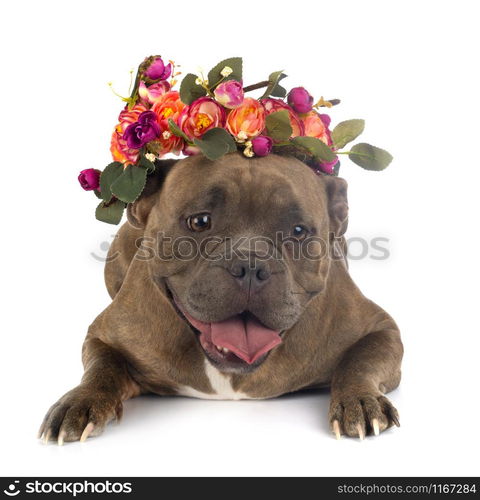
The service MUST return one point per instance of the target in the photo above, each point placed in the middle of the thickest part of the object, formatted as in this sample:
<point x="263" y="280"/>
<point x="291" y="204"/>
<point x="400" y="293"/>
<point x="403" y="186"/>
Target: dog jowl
<point x="228" y="282"/>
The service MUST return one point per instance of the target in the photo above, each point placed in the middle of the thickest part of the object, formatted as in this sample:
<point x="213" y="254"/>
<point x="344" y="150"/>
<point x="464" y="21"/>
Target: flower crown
<point x="213" y="116"/>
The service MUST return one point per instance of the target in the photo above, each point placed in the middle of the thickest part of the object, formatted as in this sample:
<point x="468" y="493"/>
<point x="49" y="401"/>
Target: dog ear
<point x="337" y="204"/>
<point x="138" y="211"/>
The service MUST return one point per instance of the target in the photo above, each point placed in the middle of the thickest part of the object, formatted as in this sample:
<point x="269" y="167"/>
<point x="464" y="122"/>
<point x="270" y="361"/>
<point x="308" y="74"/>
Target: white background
<point x="408" y="68"/>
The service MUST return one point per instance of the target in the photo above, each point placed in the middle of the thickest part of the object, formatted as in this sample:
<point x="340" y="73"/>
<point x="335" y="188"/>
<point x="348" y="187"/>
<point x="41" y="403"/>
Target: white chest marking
<point x="220" y="384"/>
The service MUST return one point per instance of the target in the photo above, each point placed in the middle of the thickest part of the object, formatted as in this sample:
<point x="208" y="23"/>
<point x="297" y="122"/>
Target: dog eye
<point x="300" y="232"/>
<point x="199" y="222"/>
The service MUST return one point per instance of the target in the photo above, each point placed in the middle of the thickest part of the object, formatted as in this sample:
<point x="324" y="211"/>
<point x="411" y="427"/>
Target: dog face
<point x="241" y="246"/>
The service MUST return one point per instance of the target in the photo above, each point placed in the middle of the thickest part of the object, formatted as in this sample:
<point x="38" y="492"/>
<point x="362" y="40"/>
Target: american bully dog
<point x="228" y="282"/>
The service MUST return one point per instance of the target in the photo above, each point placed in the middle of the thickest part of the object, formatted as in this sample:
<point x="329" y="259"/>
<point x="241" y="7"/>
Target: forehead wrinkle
<point x="267" y="194"/>
<point x="289" y="199"/>
<point x="253" y="191"/>
<point x="209" y="198"/>
<point x="278" y="192"/>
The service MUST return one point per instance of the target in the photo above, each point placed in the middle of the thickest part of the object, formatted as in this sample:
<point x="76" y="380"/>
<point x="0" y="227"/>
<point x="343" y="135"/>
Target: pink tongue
<point x="246" y="339"/>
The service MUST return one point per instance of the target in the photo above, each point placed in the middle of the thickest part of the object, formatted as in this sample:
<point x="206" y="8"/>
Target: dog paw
<point x="359" y="416"/>
<point x="79" y="414"/>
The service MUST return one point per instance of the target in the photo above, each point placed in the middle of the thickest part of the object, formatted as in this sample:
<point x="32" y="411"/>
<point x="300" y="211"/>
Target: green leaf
<point x="111" y="212"/>
<point x="108" y="177"/>
<point x="346" y="132"/>
<point x="176" y="130"/>
<point x="278" y="126"/>
<point x="189" y="90"/>
<point x="144" y="162"/>
<point x="370" y="157"/>
<point x="130" y="184"/>
<point x="274" y="89"/>
<point x="98" y="194"/>
<point x="317" y="148"/>
<point x="214" y="75"/>
<point x="215" y="143"/>
<point x="278" y="91"/>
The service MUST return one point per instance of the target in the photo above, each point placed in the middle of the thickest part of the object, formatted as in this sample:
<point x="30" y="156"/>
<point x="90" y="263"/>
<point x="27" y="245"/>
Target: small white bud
<point x="248" y="151"/>
<point x="151" y="157"/>
<point x="226" y="71"/>
<point x="242" y="135"/>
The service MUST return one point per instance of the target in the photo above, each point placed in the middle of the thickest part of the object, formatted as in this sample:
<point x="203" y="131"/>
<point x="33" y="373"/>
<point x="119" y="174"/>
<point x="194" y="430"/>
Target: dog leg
<point x="85" y="410"/>
<point x="370" y="368"/>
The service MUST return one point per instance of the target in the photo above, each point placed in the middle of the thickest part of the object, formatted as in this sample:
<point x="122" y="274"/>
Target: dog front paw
<point x="80" y="413"/>
<point x="358" y="416"/>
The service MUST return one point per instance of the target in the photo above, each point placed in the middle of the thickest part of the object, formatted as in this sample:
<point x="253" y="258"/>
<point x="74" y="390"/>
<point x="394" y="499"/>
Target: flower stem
<point x="106" y="204"/>
<point x="207" y="88"/>
<point x="125" y="99"/>
<point x="255" y="86"/>
<point x="351" y="153"/>
<point x="131" y="82"/>
<point x="219" y="82"/>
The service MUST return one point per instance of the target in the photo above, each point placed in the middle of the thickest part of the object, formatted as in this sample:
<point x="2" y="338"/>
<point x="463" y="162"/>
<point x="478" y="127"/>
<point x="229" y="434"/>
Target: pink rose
<point x="272" y="105"/>
<point x="89" y="179"/>
<point x="262" y="145"/>
<point x="229" y="94"/>
<point x="157" y="69"/>
<point x="200" y="116"/>
<point x="300" y="100"/>
<point x="152" y="93"/>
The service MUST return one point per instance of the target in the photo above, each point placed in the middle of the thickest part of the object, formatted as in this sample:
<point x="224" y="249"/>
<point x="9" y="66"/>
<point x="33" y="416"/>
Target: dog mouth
<point x="240" y="342"/>
<point x="240" y="338"/>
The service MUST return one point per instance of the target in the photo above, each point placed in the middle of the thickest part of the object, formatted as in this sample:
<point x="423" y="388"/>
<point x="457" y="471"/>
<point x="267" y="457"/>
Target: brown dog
<point x="209" y="302"/>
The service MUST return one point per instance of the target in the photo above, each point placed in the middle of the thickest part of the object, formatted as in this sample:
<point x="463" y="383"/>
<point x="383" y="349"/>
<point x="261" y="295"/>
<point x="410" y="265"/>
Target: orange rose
<point x="248" y="120"/>
<point x="316" y="125"/>
<point x="273" y="105"/>
<point x="118" y="145"/>
<point x="168" y="106"/>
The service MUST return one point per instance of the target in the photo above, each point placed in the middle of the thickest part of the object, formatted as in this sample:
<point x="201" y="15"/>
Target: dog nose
<point x="251" y="273"/>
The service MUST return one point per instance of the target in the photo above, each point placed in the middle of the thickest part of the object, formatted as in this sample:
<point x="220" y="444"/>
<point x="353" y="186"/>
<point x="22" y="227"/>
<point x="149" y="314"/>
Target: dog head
<point x="240" y="246"/>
